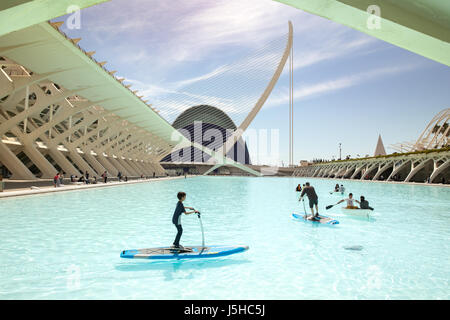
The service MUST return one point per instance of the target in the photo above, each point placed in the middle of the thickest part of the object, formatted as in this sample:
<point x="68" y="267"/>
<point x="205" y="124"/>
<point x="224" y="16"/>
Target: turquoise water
<point x="67" y="245"/>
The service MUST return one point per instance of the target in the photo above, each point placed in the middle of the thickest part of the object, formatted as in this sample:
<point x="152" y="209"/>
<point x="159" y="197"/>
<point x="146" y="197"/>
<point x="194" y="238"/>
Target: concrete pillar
<point x="79" y="161"/>
<point x="146" y="168"/>
<point x="130" y="171"/>
<point x="18" y="169"/>
<point x="415" y="169"/>
<point x="118" y="165"/>
<point x="62" y="161"/>
<point x="107" y="165"/>
<point x="135" y="166"/>
<point x="439" y="169"/>
<point x="47" y="169"/>
<point x="397" y="169"/>
<point x="92" y="161"/>
<point x="159" y="169"/>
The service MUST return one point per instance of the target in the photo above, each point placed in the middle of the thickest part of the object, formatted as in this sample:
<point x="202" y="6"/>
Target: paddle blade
<point x="330" y="206"/>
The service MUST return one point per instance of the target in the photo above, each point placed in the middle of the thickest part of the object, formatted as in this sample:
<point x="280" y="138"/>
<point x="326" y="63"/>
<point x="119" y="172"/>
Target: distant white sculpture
<point x="379" y="150"/>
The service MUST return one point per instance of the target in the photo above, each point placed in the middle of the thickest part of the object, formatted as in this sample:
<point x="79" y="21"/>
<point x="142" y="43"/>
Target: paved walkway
<point x="72" y="187"/>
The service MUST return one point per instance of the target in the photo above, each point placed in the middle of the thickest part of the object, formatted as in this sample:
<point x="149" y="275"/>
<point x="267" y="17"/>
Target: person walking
<point x="56" y="181"/>
<point x="105" y="177"/>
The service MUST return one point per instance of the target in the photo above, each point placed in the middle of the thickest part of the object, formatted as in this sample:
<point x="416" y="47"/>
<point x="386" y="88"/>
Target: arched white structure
<point x="223" y="150"/>
<point x="435" y="135"/>
<point x="60" y="109"/>
<point x="384" y="168"/>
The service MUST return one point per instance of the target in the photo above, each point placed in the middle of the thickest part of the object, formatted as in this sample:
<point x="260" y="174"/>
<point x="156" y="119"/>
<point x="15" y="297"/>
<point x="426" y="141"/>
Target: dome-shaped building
<point x="210" y="127"/>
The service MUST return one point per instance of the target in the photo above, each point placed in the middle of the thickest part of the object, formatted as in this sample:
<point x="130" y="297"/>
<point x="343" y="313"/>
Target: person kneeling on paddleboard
<point x="313" y="199"/>
<point x="176" y="219"/>
<point x="349" y="200"/>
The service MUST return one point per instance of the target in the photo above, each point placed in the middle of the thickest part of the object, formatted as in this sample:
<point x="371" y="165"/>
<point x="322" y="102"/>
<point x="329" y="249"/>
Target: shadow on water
<point x="354" y="248"/>
<point x="310" y="224"/>
<point x="177" y="265"/>
<point x="178" y="270"/>
<point x="365" y="219"/>
<point x="343" y="217"/>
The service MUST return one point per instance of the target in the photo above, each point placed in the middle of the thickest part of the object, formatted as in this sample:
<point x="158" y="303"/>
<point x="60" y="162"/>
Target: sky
<point x="348" y="87"/>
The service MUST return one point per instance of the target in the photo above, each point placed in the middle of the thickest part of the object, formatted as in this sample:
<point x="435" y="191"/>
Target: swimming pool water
<point x="67" y="245"/>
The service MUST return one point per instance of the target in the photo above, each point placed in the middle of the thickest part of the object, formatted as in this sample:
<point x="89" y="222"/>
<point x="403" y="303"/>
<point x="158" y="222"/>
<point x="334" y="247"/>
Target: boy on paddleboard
<point x="176" y="219"/>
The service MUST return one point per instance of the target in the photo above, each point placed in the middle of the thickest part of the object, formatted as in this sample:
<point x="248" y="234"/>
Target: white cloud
<point x="317" y="89"/>
<point x="175" y="34"/>
<point x="214" y="73"/>
<point x="331" y="49"/>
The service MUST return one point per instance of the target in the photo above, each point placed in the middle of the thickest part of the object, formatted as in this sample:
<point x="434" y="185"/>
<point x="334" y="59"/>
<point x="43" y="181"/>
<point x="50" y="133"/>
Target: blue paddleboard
<point x="194" y="252"/>
<point x="321" y="219"/>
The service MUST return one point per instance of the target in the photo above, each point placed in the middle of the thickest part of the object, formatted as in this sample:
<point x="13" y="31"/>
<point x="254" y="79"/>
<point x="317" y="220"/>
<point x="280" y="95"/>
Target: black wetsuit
<point x="176" y="220"/>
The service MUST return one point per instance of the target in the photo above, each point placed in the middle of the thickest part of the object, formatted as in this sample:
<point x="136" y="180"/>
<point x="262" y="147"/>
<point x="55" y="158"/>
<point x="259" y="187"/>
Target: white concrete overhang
<point x="43" y="49"/>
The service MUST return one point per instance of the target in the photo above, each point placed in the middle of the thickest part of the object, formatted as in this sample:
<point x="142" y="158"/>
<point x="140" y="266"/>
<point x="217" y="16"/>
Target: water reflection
<point x="178" y="269"/>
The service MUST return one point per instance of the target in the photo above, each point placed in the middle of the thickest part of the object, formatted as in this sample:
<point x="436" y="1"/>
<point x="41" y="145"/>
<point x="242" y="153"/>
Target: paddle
<point x="201" y="226"/>
<point x="304" y="209"/>
<point x="330" y="206"/>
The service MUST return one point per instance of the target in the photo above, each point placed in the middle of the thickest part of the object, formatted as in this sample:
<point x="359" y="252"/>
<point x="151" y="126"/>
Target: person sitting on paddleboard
<point x="341" y="189"/>
<point x="313" y="199"/>
<point x="176" y="219"/>
<point x="336" y="187"/>
<point x="364" y="204"/>
<point x="299" y="188"/>
<point x="349" y="200"/>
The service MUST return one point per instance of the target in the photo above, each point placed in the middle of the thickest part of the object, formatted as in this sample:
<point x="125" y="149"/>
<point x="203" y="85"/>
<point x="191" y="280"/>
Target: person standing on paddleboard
<point x="176" y="219"/>
<point x="313" y="199"/>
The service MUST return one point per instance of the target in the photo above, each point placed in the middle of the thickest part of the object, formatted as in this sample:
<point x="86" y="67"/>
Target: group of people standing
<point x="84" y="179"/>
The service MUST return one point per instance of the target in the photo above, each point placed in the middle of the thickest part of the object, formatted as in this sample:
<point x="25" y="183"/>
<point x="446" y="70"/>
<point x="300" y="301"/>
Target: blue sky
<point x="348" y="87"/>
